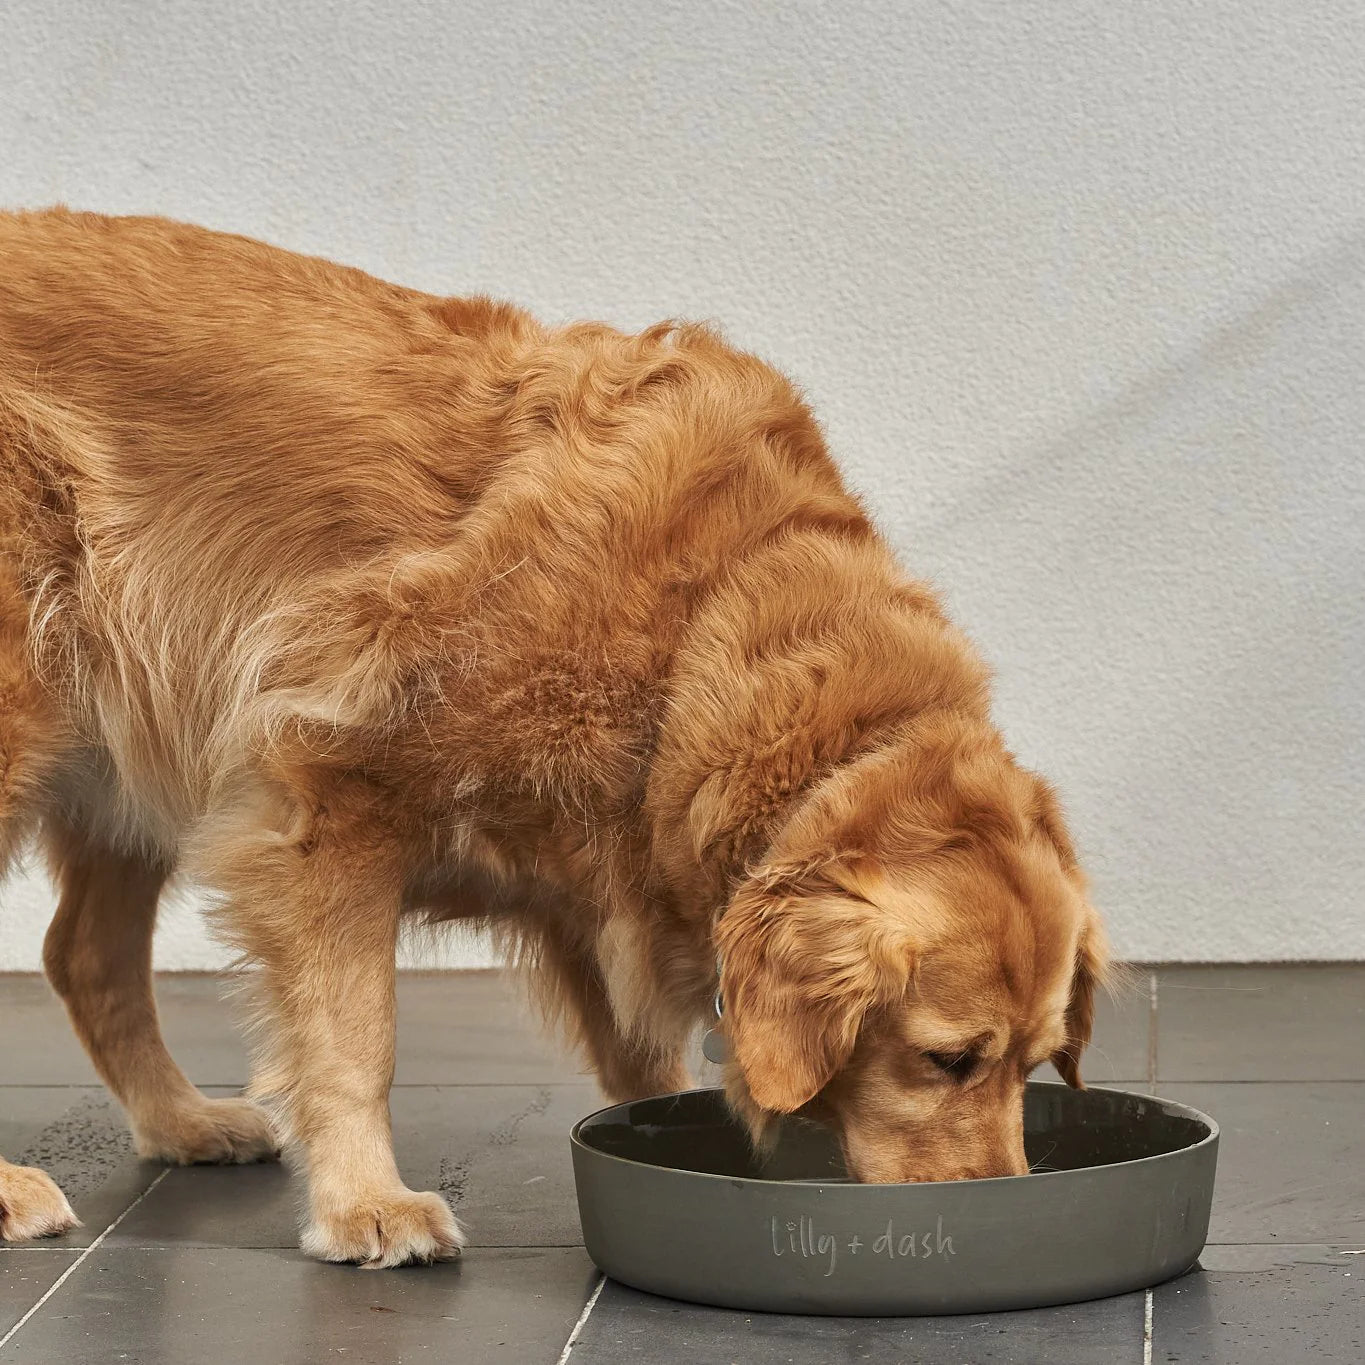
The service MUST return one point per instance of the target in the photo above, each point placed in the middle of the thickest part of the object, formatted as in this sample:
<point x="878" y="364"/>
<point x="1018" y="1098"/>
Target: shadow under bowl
<point x="673" y="1200"/>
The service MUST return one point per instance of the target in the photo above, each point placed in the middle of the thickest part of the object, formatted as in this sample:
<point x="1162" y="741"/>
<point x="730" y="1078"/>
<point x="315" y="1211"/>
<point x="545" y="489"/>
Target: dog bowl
<point x="674" y="1201"/>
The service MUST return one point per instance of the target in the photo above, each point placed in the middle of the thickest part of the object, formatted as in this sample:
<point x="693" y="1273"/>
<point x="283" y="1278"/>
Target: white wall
<point x="1079" y="291"/>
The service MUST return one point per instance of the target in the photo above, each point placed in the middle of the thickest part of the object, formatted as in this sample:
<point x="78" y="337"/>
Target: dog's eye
<point x="958" y="1065"/>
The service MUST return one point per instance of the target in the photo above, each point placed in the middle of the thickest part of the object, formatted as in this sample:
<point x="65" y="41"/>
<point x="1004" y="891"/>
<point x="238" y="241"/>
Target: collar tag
<point x="715" y="1046"/>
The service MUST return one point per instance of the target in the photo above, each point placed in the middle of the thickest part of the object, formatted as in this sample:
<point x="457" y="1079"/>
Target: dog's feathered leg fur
<point x="311" y="876"/>
<point x="98" y="957"/>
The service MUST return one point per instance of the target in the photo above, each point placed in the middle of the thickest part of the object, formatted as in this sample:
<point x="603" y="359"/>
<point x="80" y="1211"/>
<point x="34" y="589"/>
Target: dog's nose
<point x="1006" y="1167"/>
<point x="989" y="1169"/>
<point x="922" y="1176"/>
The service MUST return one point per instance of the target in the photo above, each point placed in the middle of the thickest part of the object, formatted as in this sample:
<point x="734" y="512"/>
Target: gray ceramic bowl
<point x="673" y="1200"/>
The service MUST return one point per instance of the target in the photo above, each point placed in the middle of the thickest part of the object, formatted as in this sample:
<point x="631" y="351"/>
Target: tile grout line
<point x="579" y="1325"/>
<point x="1147" y="1328"/>
<point x="1151" y="1032"/>
<point x="80" y="1260"/>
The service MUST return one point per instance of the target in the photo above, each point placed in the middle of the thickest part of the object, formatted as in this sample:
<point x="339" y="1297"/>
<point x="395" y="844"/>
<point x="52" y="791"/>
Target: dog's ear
<point x="1092" y="963"/>
<point x="1092" y="949"/>
<point x="803" y="960"/>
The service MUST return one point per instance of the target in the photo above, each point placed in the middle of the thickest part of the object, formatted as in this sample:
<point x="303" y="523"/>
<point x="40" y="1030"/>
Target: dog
<point x="354" y="605"/>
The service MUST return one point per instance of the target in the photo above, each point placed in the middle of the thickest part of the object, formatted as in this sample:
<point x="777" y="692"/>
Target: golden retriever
<point x="352" y="603"/>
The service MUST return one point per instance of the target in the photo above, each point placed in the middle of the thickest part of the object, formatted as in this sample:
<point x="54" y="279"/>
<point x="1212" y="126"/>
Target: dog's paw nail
<point x="402" y="1228"/>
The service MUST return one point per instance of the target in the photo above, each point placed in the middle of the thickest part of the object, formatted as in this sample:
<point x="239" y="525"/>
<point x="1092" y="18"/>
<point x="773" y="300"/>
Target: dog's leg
<point x="31" y="739"/>
<point x="628" y="1066"/>
<point x="314" y="896"/>
<point x="98" y="956"/>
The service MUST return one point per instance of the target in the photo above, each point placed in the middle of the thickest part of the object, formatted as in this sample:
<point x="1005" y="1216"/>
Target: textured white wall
<point x="1078" y="290"/>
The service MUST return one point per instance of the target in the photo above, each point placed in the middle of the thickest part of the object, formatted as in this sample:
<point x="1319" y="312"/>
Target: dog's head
<point x="917" y="941"/>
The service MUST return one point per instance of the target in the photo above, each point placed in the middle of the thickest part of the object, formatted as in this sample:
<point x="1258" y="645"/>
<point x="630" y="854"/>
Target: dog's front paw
<point x="31" y="1205"/>
<point x="399" y="1227"/>
<point x="218" y="1132"/>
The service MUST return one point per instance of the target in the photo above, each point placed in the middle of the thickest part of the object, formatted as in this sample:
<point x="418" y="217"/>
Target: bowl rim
<point x="1210" y="1138"/>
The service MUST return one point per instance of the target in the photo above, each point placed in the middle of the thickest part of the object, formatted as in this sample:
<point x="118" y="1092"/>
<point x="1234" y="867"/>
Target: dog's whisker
<point x="1040" y="1164"/>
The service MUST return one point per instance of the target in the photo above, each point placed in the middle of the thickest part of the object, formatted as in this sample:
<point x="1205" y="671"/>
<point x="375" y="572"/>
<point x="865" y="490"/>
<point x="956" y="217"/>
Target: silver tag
<point x="715" y="1046"/>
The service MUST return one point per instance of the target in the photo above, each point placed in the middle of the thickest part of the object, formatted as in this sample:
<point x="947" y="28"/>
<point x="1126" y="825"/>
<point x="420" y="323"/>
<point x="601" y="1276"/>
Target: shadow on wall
<point x="1171" y="592"/>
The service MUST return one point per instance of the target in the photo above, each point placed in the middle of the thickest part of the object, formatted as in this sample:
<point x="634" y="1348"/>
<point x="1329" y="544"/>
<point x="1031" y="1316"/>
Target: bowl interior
<point x="1064" y="1130"/>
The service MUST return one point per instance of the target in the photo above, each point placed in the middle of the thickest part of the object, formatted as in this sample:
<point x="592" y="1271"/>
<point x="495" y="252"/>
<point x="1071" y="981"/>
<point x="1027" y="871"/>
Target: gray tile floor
<point x="200" y="1264"/>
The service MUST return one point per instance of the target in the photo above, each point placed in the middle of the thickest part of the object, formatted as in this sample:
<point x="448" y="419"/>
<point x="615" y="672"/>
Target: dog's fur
<point x="353" y="603"/>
